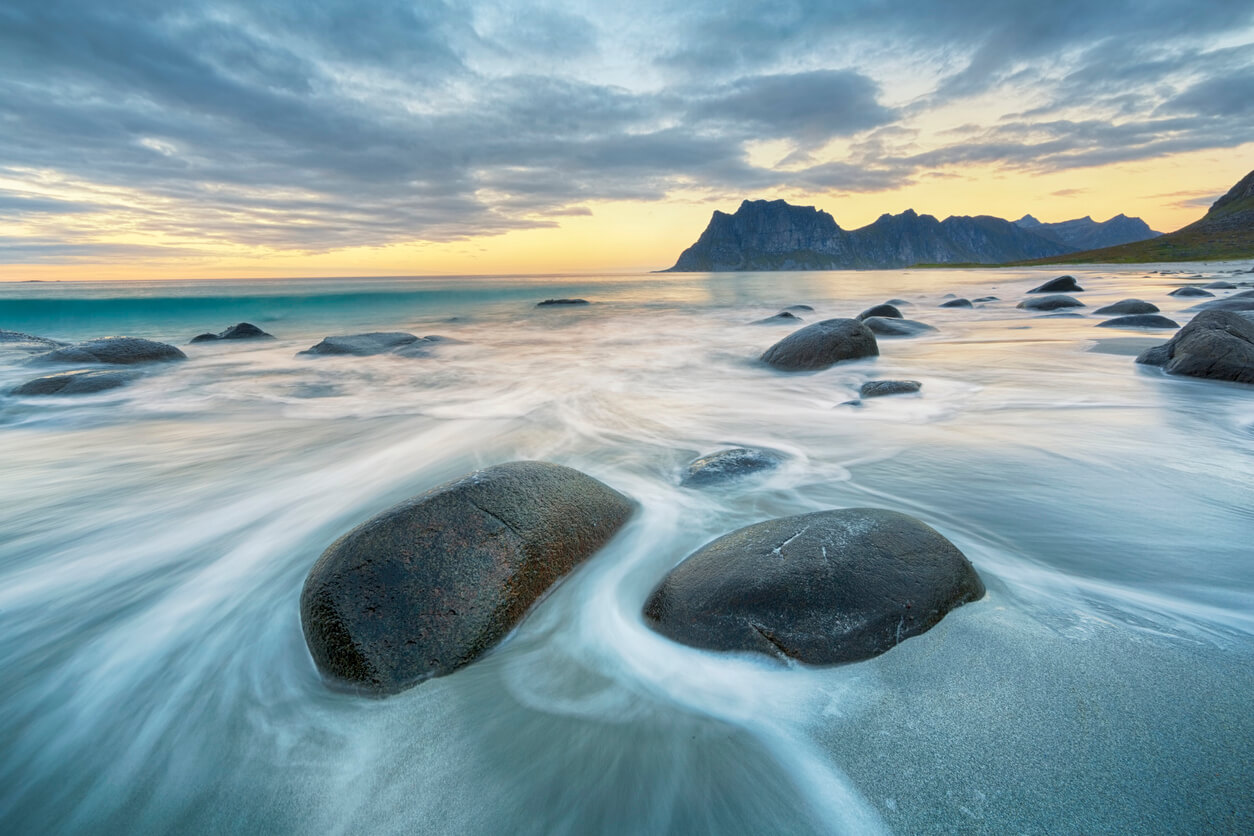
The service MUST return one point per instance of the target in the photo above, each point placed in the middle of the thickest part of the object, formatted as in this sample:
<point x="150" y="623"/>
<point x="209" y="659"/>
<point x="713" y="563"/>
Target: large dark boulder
<point x="1062" y="284"/>
<point x="121" y="351"/>
<point x="1139" y="321"/>
<point x="726" y="465"/>
<point x="429" y="585"/>
<point x="822" y="588"/>
<point x="239" y="331"/>
<point x="75" y="383"/>
<point x="884" y="327"/>
<point x="1218" y="345"/>
<point x="821" y="345"/>
<point x="885" y="311"/>
<point x="364" y="345"/>
<point x="1127" y="307"/>
<point x="1050" y="303"/>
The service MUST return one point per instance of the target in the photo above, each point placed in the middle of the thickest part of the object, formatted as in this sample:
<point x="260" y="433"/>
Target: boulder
<point x="781" y="318"/>
<point x="1062" y="284"/>
<point x="364" y="345"/>
<point x="957" y="303"/>
<point x="1218" y="345"/>
<point x="879" y="388"/>
<point x="429" y="585"/>
<point x="17" y="341"/>
<point x="1220" y="285"/>
<point x="1050" y="303"/>
<point x="1232" y="303"/>
<point x="822" y="344"/>
<point x="884" y="311"/>
<point x="726" y="465"/>
<point x="239" y="331"/>
<point x="822" y="588"/>
<point x="988" y="299"/>
<point x="896" y="327"/>
<point x="1190" y="291"/>
<point x="1139" y="321"/>
<point x="552" y="302"/>
<point x="75" y="383"/>
<point x="1128" y="306"/>
<point x="121" y="351"/>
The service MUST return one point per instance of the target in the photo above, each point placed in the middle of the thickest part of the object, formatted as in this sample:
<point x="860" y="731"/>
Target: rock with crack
<point x="822" y="588"/>
<point x="429" y="585"/>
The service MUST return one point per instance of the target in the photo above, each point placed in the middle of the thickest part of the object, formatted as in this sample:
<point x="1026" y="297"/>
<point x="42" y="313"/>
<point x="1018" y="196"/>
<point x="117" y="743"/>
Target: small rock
<point x="726" y="465"/>
<point x="122" y="351"/>
<point x="884" y="311"/>
<point x="1218" y="345"/>
<point x="75" y="383"/>
<point x="988" y="299"/>
<point x="1128" y="306"/>
<point x="798" y="308"/>
<point x="550" y="302"/>
<point x="781" y="318"/>
<point x="957" y="303"/>
<point x="880" y="388"/>
<point x="822" y="588"/>
<point x="821" y="345"/>
<point x="1050" y="303"/>
<point x="1062" y="284"/>
<point x="240" y="331"/>
<point x="1189" y="290"/>
<point x="1139" y="321"/>
<point x="363" y="345"/>
<point x="1221" y="285"/>
<point x="897" y="302"/>
<point x="896" y="327"/>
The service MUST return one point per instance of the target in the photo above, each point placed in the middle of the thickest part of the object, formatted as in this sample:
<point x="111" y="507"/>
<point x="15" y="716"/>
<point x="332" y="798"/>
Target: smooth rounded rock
<point x="1062" y="284"/>
<point x="431" y="584"/>
<point x="1127" y="307"/>
<point x="239" y="331"/>
<point x="75" y="383"/>
<point x="885" y="311"/>
<point x="728" y="465"/>
<point x="883" y="327"/>
<point x="821" y="345"/>
<point x="957" y="303"/>
<point x="18" y="341"/>
<point x="119" y="351"/>
<point x="1232" y="304"/>
<point x="1220" y="285"/>
<point x="1139" y="321"/>
<point x="363" y="345"/>
<point x="880" y="388"/>
<point x="1217" y="345"/>
<point x="822" y="588"/>
<point x="1050" y="303"/>
<point x="1189" y="291"/>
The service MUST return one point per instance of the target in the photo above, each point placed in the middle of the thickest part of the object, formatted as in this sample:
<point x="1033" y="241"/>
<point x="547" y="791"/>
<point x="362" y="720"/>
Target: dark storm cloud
<point x="326" y="124"/>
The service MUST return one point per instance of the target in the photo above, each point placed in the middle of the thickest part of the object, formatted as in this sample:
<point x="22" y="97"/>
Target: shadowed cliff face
<point x="774" y="235"/>
<point x="1088" y="234"/>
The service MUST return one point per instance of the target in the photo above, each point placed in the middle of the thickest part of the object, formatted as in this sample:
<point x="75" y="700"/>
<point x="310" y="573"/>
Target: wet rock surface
<point x="880" y="388"/>
<point x="1050" y="303"/>
<point x="239" y="331"/>
<point x="1217" y="345"/>
<point x="429" y="585"/>
<point x="884" y="311"/>
<point x="75" y="383"/>
<point x="821" y="345"/>
<point x="884" y="327"/>
<point x="781" y="318"/>
<point x="728" y="465"/>
<point x="365" y="345"/>
<point x="119" y="351"/>
<point x="822" y="588"/>
<point x="1190" y="291"/>
<point x="1127" y="307"/>
<point x="1139" y="321"/>
<point x="957" y="303"/>
<point x="1062" y="284"/>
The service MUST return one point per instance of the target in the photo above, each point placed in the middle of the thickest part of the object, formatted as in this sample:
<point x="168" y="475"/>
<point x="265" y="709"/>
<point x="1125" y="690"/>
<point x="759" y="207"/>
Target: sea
<point x="154" y="540"/>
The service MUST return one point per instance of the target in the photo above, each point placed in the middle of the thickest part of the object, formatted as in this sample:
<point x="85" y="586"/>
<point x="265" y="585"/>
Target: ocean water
<point x="154" y="539"/>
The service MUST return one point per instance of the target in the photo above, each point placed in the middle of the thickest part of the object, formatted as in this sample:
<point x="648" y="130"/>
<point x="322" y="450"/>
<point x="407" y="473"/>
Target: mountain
<point x="1088" y="234"/>
<point x="1225" y="232"/>
<point x="775" y="235"/>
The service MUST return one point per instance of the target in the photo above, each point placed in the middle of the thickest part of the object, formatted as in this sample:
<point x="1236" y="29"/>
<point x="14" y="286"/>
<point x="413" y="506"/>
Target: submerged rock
<point x="884" y="311"/>
<point x="1139" y="321"/>
<point x="75" y="383"/>
<point x="429" y="585"/>
<point x="1218" y="345"/>
<point x="239" y="331"/>
<point x="121" y="351"/>
<point x="896" y="327"/>
<point x="822" y="588"/>
<point x="821" y="345"/>
<point x="1220" y="285"/>
<point x="781" y="318"/>
<point x="551" y="302"/>
<point x="17" y="341"/>
<point x="364" y="345"/>
<point x="1233" y="303"/>
<point x="879" y="388"/>
<point x="957" y="303"/>
<point x="1128" y="306"/>
<point x="1189" y="291"/>
<point x="726" y="465"/>
<point x="1050" y="303"/>
<point x="988" y="299"/>
<point x="1062" y="284"/>
<point x="798" y="308"/>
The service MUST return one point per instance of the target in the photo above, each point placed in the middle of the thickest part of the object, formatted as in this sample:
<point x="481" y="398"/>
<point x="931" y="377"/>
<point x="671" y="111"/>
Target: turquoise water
<point x="153" y="542"/>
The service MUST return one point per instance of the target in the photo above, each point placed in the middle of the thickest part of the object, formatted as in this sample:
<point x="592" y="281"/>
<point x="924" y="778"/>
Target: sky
<point x="171" y="139"/>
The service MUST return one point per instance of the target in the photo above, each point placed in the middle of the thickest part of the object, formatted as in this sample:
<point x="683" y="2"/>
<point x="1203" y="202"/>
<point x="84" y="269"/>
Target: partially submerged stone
<point x="884" y="311"/>
<point x="957" y="303"/>
<point x="1050" y="303"/>
<point x="1218" y="345"/>
<point x="1062" y="284"/>
<point x="821" y="345"/>
<point x="123" y="351"/>
<point x="883" y="327"/>
<point x="727" y="465"/>
<point x="1127" y="307"/>
<point x="363" y="345"/>
<point x="1139" y="321"/>
<point x="239" y="331"/>
<point x="75" y="383"/>
<point x="559" y="302"/>
<point x="880" y="388"/>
